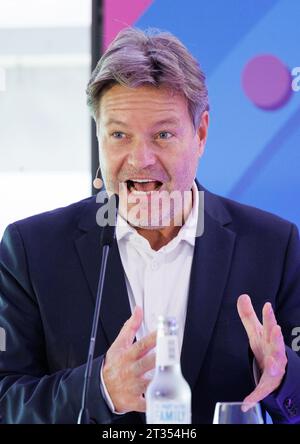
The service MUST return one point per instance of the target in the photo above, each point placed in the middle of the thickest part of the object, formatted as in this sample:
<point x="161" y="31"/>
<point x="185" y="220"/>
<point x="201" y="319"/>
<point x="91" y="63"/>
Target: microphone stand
<point x="107" y="238"/>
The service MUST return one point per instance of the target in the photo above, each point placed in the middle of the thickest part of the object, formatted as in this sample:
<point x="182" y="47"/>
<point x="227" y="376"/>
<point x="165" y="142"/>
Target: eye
<point x="118" y="135"/>
<point x="164" y="135"/>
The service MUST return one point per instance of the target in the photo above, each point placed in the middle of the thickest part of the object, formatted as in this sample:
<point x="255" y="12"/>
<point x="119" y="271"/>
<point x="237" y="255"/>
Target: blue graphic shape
<point x="209" y="29"/>
<point x="276" y="186"/>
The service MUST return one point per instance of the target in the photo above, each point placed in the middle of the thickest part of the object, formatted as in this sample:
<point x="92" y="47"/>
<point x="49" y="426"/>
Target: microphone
<point x="107" y="238"/>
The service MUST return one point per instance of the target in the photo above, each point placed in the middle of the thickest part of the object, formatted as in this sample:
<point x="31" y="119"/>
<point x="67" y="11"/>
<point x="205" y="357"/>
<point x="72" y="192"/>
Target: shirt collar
<point x="187" y="233"/>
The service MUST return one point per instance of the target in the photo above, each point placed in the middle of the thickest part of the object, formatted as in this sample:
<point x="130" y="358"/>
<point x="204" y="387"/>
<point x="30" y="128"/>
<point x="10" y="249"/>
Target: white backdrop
<point x="44" y="121"/>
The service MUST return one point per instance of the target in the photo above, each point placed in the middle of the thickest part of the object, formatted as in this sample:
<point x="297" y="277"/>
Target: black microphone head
<point x="109" y="231"/>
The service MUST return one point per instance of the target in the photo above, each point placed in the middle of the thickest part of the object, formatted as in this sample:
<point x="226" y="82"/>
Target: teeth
<point x="143" y="180"/>
<point x="141" y="192"/>
<point x="142" y="186"/>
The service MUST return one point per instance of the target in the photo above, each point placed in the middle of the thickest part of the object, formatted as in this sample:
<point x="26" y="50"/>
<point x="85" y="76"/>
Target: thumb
<point x="127" y="333"/>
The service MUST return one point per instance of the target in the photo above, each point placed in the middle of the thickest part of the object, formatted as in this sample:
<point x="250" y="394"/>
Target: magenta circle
<point x="267" y="82"/>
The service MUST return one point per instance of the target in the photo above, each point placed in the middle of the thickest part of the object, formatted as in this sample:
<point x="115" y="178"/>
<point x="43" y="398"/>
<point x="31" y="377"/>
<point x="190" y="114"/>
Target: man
<point x="149" y="100"/>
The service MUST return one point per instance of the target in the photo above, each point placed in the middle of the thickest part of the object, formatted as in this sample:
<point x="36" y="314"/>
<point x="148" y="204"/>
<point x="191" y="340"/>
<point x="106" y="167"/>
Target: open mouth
<point x="143" y="185"/>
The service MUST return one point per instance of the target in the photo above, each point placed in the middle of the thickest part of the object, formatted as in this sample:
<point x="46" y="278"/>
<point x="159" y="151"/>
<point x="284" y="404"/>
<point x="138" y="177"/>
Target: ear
<point x="202" y="132"/>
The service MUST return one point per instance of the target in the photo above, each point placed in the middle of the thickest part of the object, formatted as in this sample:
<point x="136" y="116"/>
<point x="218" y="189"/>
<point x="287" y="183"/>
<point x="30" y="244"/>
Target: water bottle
<point x="168" y="396"/>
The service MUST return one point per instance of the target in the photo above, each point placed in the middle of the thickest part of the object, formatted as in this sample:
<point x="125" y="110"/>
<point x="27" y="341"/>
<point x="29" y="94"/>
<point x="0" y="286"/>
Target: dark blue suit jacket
<point x="49" y="267"/>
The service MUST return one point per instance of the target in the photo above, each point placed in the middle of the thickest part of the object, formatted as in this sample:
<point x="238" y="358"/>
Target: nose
<point x="141" y="155"/>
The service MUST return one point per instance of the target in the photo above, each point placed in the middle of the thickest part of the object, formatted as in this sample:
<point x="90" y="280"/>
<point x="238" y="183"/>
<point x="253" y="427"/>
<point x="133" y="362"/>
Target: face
<point x="147" y="146"/>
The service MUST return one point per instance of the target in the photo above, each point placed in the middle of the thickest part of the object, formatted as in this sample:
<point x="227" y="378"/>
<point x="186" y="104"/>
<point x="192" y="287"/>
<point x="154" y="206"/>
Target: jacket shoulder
<point x="56" y="220"/>
<point x="246" y="219"/>
<point x="249" y="219"/>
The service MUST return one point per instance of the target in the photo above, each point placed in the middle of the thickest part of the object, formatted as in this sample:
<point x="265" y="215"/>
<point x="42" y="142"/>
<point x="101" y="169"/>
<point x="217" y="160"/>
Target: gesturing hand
<point x="267" y="344"/>
<point x="126" y="364"/>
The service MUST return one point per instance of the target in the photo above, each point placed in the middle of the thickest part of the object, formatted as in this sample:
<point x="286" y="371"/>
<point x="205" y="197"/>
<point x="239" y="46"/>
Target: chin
<point x="146" y="223"/>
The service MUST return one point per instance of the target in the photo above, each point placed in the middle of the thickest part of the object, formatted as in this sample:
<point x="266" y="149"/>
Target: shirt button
<point x="154" y="265"/>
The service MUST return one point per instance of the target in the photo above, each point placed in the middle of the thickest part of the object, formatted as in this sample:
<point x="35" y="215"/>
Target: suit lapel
<point x="210" y="269"/>
<point x="115" y="304"/>
<point x="115" y="309"/>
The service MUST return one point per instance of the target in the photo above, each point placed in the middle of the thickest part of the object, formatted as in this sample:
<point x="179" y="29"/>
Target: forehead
<point x="147" y="101"/>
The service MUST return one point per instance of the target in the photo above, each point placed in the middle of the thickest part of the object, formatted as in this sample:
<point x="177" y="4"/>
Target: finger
<point x="269" y="321"/>
<point x="127" y="333"/>
<point x="248" y="317"/>
<point x="260" y="392"/>
<point x="278" y="353"/>
<point x="143" y="365"/>
<point x="143" y="346"/>
<point x="277" y="341"/>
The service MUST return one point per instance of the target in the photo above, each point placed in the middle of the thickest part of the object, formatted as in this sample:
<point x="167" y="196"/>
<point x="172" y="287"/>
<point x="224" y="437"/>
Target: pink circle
<point x="267" y="82"/>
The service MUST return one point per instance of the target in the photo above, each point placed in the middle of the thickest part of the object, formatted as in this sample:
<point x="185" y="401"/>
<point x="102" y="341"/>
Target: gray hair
<point x="136" y="58"/>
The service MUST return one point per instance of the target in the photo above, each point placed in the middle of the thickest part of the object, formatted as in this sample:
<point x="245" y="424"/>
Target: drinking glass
<point x="232" y="413"/>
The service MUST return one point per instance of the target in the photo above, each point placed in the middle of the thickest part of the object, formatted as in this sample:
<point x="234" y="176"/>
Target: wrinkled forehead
<point x="122" y="103"/>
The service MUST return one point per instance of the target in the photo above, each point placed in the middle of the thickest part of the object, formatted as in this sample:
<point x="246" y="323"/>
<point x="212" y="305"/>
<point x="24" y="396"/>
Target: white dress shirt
<point x="158" y="281"/>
